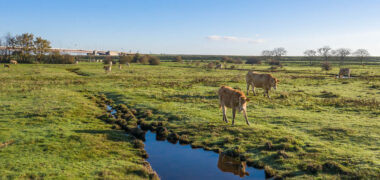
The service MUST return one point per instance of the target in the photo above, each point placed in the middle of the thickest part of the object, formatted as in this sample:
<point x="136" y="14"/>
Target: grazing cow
<point x="13" y="62"/>
<point x="234" y="99"/>
<point x="219" y="66"/>
<point x="7" y="66"/>
<point x="265" y="81"/>
<point x="107" y="68"/>
<point x="233" y="165"/>
<point x="344" y="71"/>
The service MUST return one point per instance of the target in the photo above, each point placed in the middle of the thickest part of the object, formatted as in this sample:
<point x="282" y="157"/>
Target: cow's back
<point x="229" y="96"/>
<point x="259" y="80"/>
<point x="344" y="71"/>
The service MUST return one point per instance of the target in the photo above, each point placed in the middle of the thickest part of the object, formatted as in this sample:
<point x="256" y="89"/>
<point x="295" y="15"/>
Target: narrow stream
<point x="175" y="161"/>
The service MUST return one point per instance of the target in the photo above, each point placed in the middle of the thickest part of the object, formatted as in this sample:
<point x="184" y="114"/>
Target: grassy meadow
<point x="313" y="126"/>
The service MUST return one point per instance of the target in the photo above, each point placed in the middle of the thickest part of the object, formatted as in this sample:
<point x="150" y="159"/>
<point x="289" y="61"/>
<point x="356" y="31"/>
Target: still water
<point x="175" y="161"/>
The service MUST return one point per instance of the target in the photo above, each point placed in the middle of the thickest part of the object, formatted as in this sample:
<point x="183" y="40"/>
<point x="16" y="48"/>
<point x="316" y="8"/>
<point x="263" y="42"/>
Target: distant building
<point x="112" y="53"/>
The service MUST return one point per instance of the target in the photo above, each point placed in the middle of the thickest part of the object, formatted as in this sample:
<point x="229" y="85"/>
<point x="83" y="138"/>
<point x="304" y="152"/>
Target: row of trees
<point x="326" y="52"/>
<point x="275" y="54"/>
<point x="137" y="58"/>
<point x="27" y="45"/>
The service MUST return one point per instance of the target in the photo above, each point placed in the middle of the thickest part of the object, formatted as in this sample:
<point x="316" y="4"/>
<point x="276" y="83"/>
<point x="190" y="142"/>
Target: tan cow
<point x="233" y="165"/>
<point x="265" y="81"/>
<point x="234" y="99"/>
<point x="219" y="66"/>
<point x="13" y="62"/>
<point x="344" y="71"/>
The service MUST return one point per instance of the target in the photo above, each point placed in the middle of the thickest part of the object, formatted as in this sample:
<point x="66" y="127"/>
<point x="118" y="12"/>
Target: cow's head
<point x="243" y="103"/>
<point x="274" y="82"/>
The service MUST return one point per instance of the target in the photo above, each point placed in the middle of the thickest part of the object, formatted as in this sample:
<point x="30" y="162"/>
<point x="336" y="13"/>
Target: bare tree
<point x="10" y="44"/>
<point x="267" y="54"/>
<point x="278" y="52"/>
<point x="310" y="54"/>
<point x="342" y="53"/>
<point x="2" y="52"/>
<point x="325" y="52"/>
<point x="361" y="54"/>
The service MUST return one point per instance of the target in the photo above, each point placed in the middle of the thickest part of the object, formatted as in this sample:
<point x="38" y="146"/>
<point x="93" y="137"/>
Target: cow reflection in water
<point x="234" y="165"/>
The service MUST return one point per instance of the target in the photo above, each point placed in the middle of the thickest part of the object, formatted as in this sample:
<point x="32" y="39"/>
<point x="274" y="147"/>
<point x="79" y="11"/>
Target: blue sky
<point x="233" y="27"/>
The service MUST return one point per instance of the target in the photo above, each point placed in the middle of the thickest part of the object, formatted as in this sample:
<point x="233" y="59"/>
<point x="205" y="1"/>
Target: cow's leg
<point x="233" y="115"/>
<point x="245" y="116"/>
<point x="224" y="114"/>
<point x="247" y="88"/>
<point x="267" y="93"/>
<point x="253" y="89"/>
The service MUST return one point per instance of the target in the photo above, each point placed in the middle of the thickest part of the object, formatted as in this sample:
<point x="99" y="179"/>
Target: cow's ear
<point x="277" y="80"/>
<point x="247" y="99"/>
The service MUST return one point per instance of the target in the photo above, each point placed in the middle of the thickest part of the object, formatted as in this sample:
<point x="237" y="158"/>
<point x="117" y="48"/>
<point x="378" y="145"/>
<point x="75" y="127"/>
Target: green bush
<point x="56" y="58"/>
<point x="326" y="66"/>
<point x="125" y="59"/>
<point x="253" y="60"/>
<point x="144" y="59"/>
<point x="154" y="60"/>
<point x="136" y="58"/>
<point x="178" y="59"/>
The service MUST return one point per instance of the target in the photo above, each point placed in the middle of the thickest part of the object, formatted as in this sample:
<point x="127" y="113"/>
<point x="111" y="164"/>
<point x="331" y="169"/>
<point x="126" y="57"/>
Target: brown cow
<point x="6" y="66"/>
<point x="13" y="62"/>
<point x="230" y="164"/>
<point x="234" y="99"/>
<point x="265" y="81"/>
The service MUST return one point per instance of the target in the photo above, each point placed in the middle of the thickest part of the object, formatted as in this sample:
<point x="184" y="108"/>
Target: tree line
<point x="327" y="52"/>
<point x="26" y="48"/>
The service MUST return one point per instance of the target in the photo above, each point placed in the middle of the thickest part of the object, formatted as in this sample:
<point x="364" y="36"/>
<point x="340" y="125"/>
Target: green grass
<point x="318" y="126"/>
<point x="55" y="130"/>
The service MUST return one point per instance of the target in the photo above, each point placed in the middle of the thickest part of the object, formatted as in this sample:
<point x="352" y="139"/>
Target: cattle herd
<point x="232" y="98"/>
<point x="237" y="101"/>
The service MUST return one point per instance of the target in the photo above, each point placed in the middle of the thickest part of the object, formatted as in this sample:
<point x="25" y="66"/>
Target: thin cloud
<point x="234" y="38"/>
